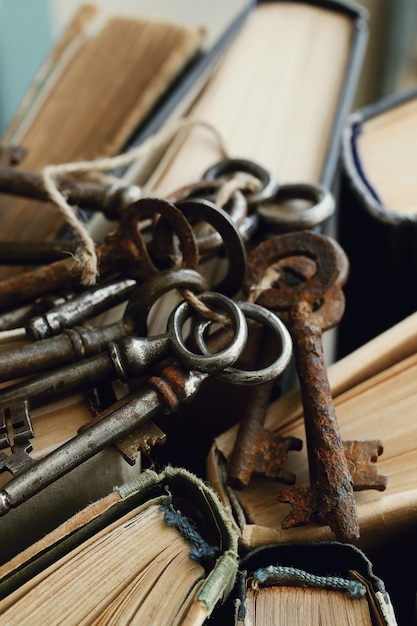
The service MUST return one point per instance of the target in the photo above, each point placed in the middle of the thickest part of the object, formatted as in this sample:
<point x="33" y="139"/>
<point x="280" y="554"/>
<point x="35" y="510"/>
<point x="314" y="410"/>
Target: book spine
<point x="380" y="245"/>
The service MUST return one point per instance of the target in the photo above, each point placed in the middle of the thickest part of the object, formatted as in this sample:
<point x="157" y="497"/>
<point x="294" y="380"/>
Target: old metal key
<point x="330" y="498"/>
<point x="163" y="392"/>
<point x="68" y="313"/>
<point x="123" y="253"/>
<point x="78" y="343"/>
<point x="132" y="356"/>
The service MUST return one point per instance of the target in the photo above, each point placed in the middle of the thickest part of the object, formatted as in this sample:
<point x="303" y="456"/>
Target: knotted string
<point x="86" y="254"/>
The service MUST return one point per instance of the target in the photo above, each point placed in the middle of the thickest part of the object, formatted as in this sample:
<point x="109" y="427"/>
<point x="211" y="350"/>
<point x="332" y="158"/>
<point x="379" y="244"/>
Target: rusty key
<point x="109" y="199"/>
<point x="330" y="498"/>
<point x="123" y="252"/>
<point x="257" y="450"/>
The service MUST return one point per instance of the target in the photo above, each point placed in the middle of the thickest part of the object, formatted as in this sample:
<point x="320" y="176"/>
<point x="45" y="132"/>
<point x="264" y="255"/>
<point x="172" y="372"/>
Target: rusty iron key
<point x="109" y="199"/>
<point x="124" y="252"/>
<point x="257" y="450"/>
<point x="330" y="498"/>
<point x="173" y="385"/>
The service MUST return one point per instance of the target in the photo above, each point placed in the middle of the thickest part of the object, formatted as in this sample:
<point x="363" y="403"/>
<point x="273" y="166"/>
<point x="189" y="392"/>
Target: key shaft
<point x="166" y="392"/>
<point x="330" y="498"/>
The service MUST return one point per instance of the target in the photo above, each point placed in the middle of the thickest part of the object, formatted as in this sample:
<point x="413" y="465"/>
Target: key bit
<point x="330" y="497"/>
<point x="270" y="455"/>
<point x="256" y="451"/>
<point x="361" y="457"/>
<point x="143" y="439"/>
<point x="19" y="460"/>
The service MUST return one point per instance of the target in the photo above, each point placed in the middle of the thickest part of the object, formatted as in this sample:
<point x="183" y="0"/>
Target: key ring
<point x="233" y="244"/>
<point x="265" y="317"/>
<point x="203" y="210"/>
<point x="208" y="362"/>
<point x="236" y="207"/>
<point x="291" y="217"/>
<point x="268" y="185"/>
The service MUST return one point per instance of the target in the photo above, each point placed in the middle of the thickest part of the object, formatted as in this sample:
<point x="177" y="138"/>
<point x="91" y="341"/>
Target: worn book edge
<point x="19" y="572"/>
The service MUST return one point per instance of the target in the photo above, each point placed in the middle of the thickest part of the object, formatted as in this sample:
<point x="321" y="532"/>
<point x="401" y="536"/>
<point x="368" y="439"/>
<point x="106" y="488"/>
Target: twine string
<point x="86" y="254"/>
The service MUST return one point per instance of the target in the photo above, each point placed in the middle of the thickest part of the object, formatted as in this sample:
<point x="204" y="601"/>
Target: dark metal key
<point x="173" y="385"/>
<point x="132" y="356"/>
<point x="76" y="344"/>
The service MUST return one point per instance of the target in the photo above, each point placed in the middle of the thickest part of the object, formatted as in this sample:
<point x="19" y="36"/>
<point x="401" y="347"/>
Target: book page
<point x="387" y="148"/>
<point x="380" y="408"/>
<point x="272" y="99"/>
<point x="138" y="564"/>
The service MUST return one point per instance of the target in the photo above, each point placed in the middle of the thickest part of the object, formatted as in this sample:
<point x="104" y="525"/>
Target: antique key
<point x="124" y="252"/>
<point x="72" y="311"/>
<point x="330" y="498"/>
<point x="173" y="385"/>
<point x="78" y="343"/>
<point x="110" y="199"/>
<point x="129" y="357"/>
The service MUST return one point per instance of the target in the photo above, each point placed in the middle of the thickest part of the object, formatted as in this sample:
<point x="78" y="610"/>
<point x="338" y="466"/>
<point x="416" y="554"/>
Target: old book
<point x="298" y="583"/>
<point x="159" y="550"/>
<point x="106" y="76"/>
<point x="378" y="221"/>
<point x="53" y="425"/>
<point x="280" y="95"/>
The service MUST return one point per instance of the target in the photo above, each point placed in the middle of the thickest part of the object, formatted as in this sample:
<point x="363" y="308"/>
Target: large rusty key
<point x="330" y="498"/>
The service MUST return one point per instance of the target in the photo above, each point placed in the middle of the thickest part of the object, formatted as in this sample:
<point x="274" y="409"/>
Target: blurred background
<point x="29" y="28"/>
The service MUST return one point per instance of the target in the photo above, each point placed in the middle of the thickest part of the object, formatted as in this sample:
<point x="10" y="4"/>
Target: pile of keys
<point x="281" y="276"/>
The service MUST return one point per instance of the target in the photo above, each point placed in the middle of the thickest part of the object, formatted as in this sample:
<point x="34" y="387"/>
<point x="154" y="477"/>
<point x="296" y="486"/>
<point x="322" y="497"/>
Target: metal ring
<point x="268" y="184"/>
<point x="301" y="243"/>
<point x="236" y="207"/>
<point x="233" y="243"/>
<point x="255" y="377"/>
<point x="208" y="362"/>
<point x="147" y="293"/>
<point x="293" y="217"/>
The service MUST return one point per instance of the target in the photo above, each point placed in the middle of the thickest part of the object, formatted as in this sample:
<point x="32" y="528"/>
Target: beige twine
<point x="86" y="254"/>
